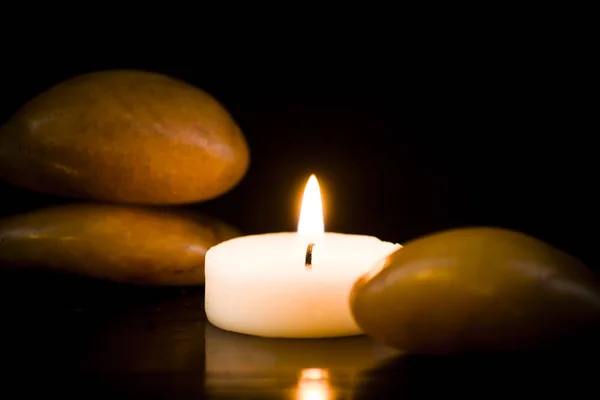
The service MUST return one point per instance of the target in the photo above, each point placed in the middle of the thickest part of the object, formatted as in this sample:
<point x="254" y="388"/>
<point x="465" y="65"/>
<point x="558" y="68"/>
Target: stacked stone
<point x="124" y="144"/>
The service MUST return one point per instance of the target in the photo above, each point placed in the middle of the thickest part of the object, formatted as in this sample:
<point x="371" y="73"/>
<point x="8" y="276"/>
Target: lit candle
<point x="290" y="284"/>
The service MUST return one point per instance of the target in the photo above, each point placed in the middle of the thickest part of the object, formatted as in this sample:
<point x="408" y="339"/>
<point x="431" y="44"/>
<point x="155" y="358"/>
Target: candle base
<point x="292" y="331"/>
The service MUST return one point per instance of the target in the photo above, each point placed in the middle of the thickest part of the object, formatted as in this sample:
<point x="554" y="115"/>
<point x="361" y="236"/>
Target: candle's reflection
<point x="311" y="368"/>
<point x="314" y="385"/>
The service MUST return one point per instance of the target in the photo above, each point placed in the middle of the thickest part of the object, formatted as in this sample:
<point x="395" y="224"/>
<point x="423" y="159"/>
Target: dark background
<point x="402" y="146"/>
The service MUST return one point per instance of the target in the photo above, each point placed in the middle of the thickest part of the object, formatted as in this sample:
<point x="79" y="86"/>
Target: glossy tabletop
<point x="72" y="337"/>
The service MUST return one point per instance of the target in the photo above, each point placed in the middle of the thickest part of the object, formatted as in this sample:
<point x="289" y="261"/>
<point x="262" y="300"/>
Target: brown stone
<point x="476" y="289"/>
<point x="125" y="137"/>
<point x="119" y="243"/>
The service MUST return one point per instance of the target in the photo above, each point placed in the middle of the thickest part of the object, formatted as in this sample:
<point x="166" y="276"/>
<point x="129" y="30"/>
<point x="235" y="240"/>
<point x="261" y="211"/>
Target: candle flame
<point x="311" y="213"/>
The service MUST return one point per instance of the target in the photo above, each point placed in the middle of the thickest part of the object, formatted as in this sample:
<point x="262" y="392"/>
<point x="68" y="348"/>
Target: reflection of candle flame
<point x="314" y="374"/>
<point x="313" y="385"/>
<point x="311" y="213"/>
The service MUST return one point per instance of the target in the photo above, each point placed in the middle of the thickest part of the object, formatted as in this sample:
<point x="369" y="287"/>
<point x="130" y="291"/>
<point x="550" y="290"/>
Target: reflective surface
<point x="87" y="339"/>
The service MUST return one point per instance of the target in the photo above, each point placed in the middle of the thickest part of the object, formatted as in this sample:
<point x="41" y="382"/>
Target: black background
<point x="402" y="146"/>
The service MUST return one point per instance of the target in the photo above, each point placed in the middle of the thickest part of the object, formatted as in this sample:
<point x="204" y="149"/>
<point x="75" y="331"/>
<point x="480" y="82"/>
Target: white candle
<point x="261" y="285"/>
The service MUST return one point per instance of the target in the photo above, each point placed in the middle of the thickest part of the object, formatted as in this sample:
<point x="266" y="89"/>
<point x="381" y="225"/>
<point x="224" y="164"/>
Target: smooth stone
<point x="124" y="137"/>
<point x="119" y="243"/>
<point x="476" y="290"/>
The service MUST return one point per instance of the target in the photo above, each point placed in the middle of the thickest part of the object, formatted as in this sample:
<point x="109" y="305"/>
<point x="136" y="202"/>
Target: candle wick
<point x="308" y="258"/>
